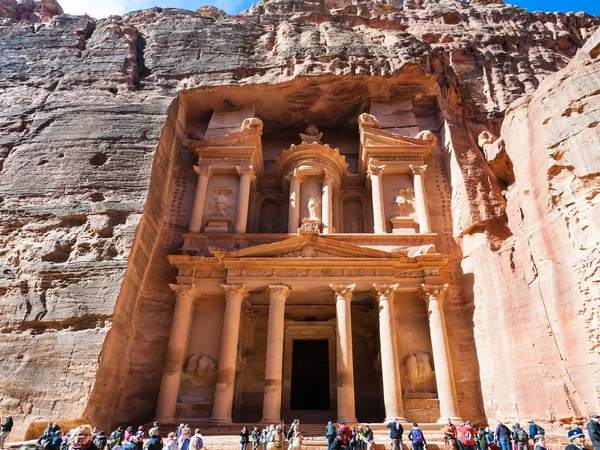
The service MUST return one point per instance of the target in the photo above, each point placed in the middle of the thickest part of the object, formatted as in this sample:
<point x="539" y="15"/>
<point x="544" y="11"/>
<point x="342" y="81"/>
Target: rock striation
<point x="96" y="184"/>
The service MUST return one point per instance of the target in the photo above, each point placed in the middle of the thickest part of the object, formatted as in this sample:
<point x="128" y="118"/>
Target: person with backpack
<point x="593" y="428"/>
<point x="116" y="438"/>
<point x="535" y="429"/>
<point x="503" y="436"/>
<point x="521" y="437"/>
<point x="396" y="431"/>
<point x="417" y="438"/>
<point x="482" y="439"/>
<point x="466" y="436"/>
<point x="100" y="440"/>
<point x="57" y="440"/>
<point x="291" y="432"/>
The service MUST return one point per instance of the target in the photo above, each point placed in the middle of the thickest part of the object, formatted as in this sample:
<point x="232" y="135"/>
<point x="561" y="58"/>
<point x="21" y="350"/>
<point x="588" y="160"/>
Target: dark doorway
<point x="310" y="375"/>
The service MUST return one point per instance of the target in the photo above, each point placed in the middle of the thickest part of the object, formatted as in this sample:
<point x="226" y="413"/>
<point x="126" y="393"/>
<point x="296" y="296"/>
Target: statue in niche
<point x="401" y="200"/>
<point x="313" y="205"/>
<point x="220" y="202"/>
<point x="202" y="367"/>
<point x="354" y="225"/>
<point x="311" y="135"/>
<point x="419" y="371"/>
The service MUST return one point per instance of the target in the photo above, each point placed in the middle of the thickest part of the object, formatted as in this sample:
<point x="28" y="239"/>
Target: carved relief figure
<point x="419" y="372"/>
<point x="311" y="135"/>
<point x="220" y="202"/>
<point x="313" y="206"/>
<point x="401" y="200"/>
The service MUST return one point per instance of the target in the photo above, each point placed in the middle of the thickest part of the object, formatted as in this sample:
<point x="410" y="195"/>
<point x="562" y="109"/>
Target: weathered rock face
<point x="96" y="186"/>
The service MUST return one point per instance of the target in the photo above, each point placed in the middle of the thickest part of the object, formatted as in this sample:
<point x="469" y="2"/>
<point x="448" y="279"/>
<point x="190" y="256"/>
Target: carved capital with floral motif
<point x="203" y="171"/>
<point x="434" y="292"/>
<point x="385" y="292"/>
<point x="278" y="291"/>
<point x="343" y="291"/>
<point x="235" y="292"/>
<point x="418" y="170"/>
<point x="375" y="171"/>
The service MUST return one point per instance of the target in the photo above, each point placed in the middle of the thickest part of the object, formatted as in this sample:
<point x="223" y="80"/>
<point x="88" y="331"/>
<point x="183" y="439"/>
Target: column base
<point x="347" y="420"/>
<point x="456" y="419"/>
<point x="218" y="421"/>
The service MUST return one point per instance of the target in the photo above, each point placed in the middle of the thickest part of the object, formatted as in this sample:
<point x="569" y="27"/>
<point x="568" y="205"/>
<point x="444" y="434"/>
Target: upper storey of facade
<point x="367" y="179"/>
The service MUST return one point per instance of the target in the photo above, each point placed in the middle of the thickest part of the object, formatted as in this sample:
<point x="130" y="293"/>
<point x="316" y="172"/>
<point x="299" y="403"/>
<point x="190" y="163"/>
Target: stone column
<point x="223" y="399"/>
<point x="345" y="369"/>
<point x="176" y="353"/>
<point x="421" y="198"/>
<point x="294" y="209"/>
<point x="246" y="176"/>
<point x="338" y="226"/>
<point x="204" y="174"/>
<point x="274" y="368"/>
<point x="326" y="203"/>
<point x="376" y="172"/>
<point x="390" y="369"/>
<point x="444" y="378"/>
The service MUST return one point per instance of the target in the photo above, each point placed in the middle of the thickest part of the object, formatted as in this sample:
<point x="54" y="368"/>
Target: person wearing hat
<point x="576" y="439"/>
<point x="593" y="428"/>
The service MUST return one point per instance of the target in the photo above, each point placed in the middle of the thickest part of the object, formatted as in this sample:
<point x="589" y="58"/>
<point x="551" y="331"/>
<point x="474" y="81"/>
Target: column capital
<point x="241" y="170"/>
<point x="434" y="291"/>
<point x="295" y="174"/>
<point x="183" y="291"/>
<point x="235" y="291"/>
<point x="385" y="291"/>
<point x="327" y="175"/>
<point x="278" y="291"/>
<point x="418" y="170"/>
<point x="343" y="290"/>
<point x="203" y="171"/>
<point x="373" y="170"/>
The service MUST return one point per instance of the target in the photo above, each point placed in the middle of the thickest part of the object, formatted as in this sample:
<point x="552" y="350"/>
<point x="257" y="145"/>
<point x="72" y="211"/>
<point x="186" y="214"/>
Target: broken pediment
<point x="305" y="247"/>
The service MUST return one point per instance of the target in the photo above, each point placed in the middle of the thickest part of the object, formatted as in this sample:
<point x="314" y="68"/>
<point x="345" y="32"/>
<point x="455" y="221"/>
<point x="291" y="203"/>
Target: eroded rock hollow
<point x="425" y="173"/>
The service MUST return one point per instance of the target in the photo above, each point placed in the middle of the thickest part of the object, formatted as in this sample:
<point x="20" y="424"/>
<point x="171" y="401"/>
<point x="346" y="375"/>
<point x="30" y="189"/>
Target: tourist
<point x="245" y="437"/>
<point x="482" y="439"/>
<point x="184" y="440"/>
<point x="81" y="439"/>
<point x="179" y="430"/>
<point x="140" y="432"/>
<point x="116" y="438"/>
<point x="540" y="442"/>
<point x="416" y="437"/>
<point x="489" y="437"/>
<point x="171" y="442"/>
<point x="131" y="444"/>
<point x="330" y="434"/>
<point x="127" y="435"/>
<point x="466" y="436"/>
<point x="278" y="437"/>
<point x="344" y="433"/>
<point x="5" y="430"/>
<point x="292" y="431"/>
<point x="155" y="442"/>
<point x="396" y="431"/>
<point x="503" y="436"/>
<point x="535" y="429"/>
<point x="353" y="438"/>
<point x="255" y="437"/>
<point x="369" y="437"/>
<point x="264" y="437"/>
<point x="521" y="437"/>
<point x="513" y="441"/>
<point x="100" y="440"/>
<point x="360" y="438"/>
<point x="449" y="431"/>
<point x="593" y="428"/>
<point x="56" y="441"/>
<point x="576" y="439"/>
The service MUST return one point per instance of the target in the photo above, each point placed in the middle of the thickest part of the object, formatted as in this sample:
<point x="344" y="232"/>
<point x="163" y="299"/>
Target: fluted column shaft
<point x="421" y="198"/>
<point x="344" y="361"/>
<point x="390" y="369"/>
<point x="223" y="399"/>
<point x="176" y="352"/>
<point x="204" y="174"/>
<point x="444" y="378"/>
<point x="326" y="204"/>
<point x="274" y="367"/>
<point x="375" y="173"/>
<point x="246" y="176"/>
<point x="294" y="209"/>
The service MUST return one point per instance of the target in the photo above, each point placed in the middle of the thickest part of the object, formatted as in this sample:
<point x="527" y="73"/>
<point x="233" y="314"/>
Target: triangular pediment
<point x="305" y="247"/>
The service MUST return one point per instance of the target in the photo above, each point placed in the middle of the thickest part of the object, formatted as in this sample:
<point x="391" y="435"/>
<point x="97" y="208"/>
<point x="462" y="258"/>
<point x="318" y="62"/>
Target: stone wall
<point x="96" y="188"/>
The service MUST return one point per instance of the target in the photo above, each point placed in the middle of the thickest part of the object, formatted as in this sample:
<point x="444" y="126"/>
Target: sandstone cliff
<point x="94" y="192"/>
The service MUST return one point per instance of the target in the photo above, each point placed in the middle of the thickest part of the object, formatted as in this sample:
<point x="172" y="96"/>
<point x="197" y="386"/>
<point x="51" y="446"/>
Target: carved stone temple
<point x="309" y="284"/>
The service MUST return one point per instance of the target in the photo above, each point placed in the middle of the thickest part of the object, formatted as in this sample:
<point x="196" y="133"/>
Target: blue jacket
<point x="395" y="432"/>
<point x="330" y="430"/>
<point x="593" y="429"/>
<point x="502" y="432"/>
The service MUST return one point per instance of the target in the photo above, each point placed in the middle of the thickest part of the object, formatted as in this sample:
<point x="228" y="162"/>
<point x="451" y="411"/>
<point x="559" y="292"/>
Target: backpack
<point x="521" y="435"/>
<point x="45" y="443"/>
<point x="290" y="433"/>
<point x="199" y="443"/>
<point x="417" y="436"/>
<point x="114" y="440"/>
<point x="100" y="441"/>
<point x="539" y="431"/>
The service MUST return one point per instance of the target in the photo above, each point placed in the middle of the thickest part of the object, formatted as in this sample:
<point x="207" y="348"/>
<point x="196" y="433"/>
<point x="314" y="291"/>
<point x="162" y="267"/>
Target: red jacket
<point x="466" y="435"/>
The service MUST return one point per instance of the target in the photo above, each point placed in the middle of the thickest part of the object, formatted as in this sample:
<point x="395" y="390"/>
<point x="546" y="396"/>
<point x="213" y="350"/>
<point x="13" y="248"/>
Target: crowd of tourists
<point x="342" y="437"/>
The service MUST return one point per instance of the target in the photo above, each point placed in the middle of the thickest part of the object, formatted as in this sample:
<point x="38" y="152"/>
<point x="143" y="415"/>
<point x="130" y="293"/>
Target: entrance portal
<point x="310" y="375"/>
